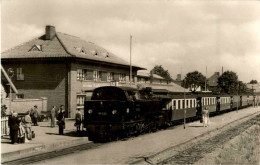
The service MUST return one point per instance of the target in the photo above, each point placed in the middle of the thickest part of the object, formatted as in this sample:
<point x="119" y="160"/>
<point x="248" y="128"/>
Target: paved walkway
<point x="46" y="139"/>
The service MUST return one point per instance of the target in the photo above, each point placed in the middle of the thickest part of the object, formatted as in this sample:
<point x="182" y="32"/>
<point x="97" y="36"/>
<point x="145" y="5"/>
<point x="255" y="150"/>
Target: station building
<point x="63" y="68"/>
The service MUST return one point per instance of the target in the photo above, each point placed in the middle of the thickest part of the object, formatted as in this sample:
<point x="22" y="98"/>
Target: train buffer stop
<point x="48" y="139"/>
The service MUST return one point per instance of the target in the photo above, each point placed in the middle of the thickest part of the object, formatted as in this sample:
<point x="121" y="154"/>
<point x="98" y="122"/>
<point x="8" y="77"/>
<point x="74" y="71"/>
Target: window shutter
<point x="103" y="76"/>
<point x="89" y="74"/>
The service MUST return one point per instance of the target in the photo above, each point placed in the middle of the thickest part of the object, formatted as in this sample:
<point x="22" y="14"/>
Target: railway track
<point x="52" y="154"/>
<point x="191" y="153"/>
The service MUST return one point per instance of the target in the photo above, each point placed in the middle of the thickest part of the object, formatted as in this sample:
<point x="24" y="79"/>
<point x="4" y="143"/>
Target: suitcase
<point x="21" y="139"/>
<point x="33" y="134"/>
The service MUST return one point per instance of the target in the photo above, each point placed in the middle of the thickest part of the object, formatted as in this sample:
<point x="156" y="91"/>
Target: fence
<point x="4" y="126"/>
<point x="23" y="105"/>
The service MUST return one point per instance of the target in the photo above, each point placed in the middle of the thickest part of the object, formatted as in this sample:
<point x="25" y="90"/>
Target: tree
<point x="159" y="70"/>
<point x="193" y="80"/>
<point x="253" y="82"/>
<point x="242" y="88"/>
<point x="228" y="82"/>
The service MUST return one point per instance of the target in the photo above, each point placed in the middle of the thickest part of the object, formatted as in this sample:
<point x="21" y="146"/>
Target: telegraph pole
<point x="184" y="105"/>
<point x="130" y="60"/>
<point x="206" y="80"/>
<point x="238" y="96"/>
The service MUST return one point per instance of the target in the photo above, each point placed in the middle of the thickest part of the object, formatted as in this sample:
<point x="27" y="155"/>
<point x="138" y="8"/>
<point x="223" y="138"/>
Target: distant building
<point x="212" y="82"/>
<point x="63" y="67"/>
<point x="157" y="83"/>
<point x="254" y="88"/>
<point x="145" y="77"/>
<point x="178" y="80"/>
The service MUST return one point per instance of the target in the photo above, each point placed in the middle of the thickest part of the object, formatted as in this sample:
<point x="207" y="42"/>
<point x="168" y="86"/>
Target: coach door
<point x="199" y="108"/>
<point x="218" y="104"/>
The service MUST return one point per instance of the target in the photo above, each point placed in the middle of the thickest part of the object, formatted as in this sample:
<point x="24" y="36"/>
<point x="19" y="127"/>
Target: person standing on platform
<point x="78" y="118"/>
<point x="205" y="117"/>
<point x="53" y="114"/>
<point x="14" y="127"/>
<point x="35" y="115"/>
<point x="257" y="101"/>
<point x="61" y="119"/>
<point x="31" y="115"/>
<point x="27" y="126"/>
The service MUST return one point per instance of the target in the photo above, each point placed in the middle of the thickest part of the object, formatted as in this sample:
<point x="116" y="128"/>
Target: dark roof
<point x="213" y="80"/>
<point x="65" y="46"/>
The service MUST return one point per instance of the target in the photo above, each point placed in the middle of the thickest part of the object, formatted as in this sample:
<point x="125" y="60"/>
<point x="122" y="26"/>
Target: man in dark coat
<point x="14" y="127"/>
<point x="61" y="119"/>
<point x="35" y="115"/>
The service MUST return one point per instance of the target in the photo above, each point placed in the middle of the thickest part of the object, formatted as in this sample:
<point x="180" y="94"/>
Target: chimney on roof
<point x="50" y="32"/>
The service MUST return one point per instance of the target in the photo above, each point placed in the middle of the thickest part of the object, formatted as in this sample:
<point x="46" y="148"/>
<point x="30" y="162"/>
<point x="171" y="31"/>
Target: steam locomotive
<point x="117" y="112"/>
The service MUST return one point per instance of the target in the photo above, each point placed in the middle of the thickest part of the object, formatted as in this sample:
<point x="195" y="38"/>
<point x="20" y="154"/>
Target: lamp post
<point x="10" y="74"/>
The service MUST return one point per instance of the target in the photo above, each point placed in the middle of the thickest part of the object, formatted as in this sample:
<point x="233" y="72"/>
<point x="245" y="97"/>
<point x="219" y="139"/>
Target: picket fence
<point x="4" y="126"/>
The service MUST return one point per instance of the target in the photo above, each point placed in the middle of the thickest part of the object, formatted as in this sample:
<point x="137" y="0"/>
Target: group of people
<point x="20" y="128"/>
<point x="60" y="116"/>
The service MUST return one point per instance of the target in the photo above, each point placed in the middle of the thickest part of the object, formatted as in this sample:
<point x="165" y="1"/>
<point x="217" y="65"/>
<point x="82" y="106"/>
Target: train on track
<point x="118" y="112"/>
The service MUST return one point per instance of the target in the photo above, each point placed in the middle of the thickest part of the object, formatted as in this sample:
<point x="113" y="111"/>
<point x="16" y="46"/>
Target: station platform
<point x="48" y="139"/>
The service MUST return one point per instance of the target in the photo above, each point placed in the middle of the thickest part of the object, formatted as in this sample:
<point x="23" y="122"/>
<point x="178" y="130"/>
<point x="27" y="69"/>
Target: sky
<point x="182" y="36"/>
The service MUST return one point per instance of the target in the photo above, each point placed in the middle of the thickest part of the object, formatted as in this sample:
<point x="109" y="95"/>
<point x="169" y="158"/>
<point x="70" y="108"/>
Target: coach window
<point x="187" y="104"/>
<point x="179" y="104"/>
<point x="191" y="106"/>
<point x="174" y="104"/>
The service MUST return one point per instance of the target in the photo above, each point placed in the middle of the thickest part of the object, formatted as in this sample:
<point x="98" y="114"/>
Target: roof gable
<point x="36" y="48"/>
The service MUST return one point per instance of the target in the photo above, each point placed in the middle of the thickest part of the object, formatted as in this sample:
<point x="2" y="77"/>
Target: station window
<point x="110" y="76"/>
<point x="80" y="100"/>
<point x="97" y="75"/>
<point x="122" y="77"/>
<point x="20" y="75"/>
<point x="84" y="74"/>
